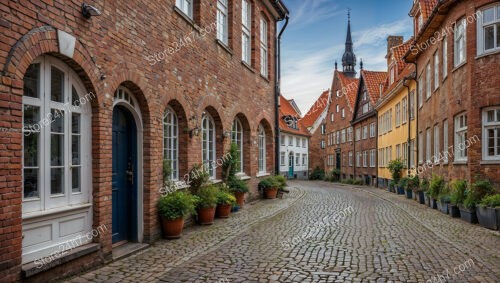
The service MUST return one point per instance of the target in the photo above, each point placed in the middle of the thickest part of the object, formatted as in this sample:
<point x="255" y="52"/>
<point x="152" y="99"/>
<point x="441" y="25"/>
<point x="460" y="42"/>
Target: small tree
<point x="231" y="165"/>
<point x="395" y="167"/>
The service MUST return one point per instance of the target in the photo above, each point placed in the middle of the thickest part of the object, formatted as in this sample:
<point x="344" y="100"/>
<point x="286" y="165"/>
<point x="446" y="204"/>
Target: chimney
<point x="393" y="40"/>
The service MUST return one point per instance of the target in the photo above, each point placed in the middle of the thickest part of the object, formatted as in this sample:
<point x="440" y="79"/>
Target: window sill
<point x="490" y="162"/>
<point x="460" y="162"/>
<point x="187" y="18"/>
<point x="459" y="66"/>
<point x="30" y="269"/>
<point x="487" y="53"/>
<point x="215" y="181"/>
<point x="248" y="66"/>
<point x="224" y="46"/>
<point x="38" y="214"/>
<point x="243" y="176"/>
<point x="262" y="174"/>
<point x="265" y="78"/>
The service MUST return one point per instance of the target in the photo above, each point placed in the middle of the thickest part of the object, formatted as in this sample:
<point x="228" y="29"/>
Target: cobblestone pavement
<point x="320" y="232"/>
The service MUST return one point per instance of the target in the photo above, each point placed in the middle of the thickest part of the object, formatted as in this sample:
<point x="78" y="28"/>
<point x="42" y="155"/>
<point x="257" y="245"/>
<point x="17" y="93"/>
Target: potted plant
<point x="391" y="186"/>
<point x="225" y="202"/>
<point x="488" y="212"/>
<point x="239" y="188"/>
<point x="444" y="199"/>
<point x="403" y="183"/>
<point x="281" y="180"/>
<point x="317" y="174"/>
<point x="270" y="187"/>
<point x="424" y="186"/>
<point x="395" y="167"/>
<point x="436" y="185"/>
<point x="479" y="191"/>
<point x="414" y="185"/>
<point x="207" y="203"/>
<point x="457" y="197"/>
<point x="173" y="209"/>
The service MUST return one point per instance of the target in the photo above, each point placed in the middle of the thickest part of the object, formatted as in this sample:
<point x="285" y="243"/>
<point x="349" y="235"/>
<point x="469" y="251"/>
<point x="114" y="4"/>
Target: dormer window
<point x="365" y="96"/>
<point x="420" y="22"/>
<point x="392" y="75"/>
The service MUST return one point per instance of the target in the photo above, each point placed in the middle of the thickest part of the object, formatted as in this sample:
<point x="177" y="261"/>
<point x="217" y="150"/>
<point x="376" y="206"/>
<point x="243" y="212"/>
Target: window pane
<point x="56" y="85"/>
<point x="57" y="121"/>
<point x="75" y="150"/>
<point x="498" y="35"/>
<point x="491" y="142"/>
<point x="75" y="99"/>
<point x="489" y="41"/>
<point x="31" y="183"/>
<point x="489" y="15"/>
<point x="75" y="123"/>
<point x="31" y="148"/>
<point x="57" y="150"/>
<point x="76" y="180"/>
<point x="31" y="118"/>
<point x="32" y="81"/>
<point x="56" y="181"/>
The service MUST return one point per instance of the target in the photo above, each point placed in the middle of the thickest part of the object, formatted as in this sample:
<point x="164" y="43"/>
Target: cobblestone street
<point x="320" y="232"/>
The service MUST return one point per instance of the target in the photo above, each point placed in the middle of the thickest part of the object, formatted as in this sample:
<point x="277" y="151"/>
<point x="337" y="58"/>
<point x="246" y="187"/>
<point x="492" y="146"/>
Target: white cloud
<point x="312" y="11"/>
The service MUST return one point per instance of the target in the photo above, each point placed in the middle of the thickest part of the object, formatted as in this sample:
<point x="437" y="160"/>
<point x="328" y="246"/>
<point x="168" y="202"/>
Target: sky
<point x="315" y="38"/>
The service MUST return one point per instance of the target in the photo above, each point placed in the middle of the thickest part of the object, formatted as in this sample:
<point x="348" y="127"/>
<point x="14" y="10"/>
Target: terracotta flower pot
<point x="172" y="228"/>
<point x="271" y="193"/>
<point x="240" y="198"/>
<point x="206" y="215"/>
<point x="223" y="210"/>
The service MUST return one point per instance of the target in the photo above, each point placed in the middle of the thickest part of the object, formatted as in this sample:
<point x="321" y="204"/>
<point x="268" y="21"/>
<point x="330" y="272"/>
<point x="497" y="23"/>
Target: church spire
<point x="349" y="59"/>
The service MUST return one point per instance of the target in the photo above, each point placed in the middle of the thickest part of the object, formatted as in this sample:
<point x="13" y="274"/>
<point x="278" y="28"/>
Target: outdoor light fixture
<point x="194" y="132"/>
<point x="88" y="11"/>
<point x="226" y="134"/>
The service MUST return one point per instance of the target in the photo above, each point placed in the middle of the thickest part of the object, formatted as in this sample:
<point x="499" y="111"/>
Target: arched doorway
<point x="127" y="215"/>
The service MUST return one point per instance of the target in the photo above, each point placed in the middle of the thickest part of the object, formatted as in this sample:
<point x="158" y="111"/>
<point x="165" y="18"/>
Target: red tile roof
<point x="372" y="80"/>
<point x="426" y="7"/>
<point x="286" y="109"/>
<point x="351" y="86"/>
<point x="403" y="69"/>
<point x="316" y="109"/>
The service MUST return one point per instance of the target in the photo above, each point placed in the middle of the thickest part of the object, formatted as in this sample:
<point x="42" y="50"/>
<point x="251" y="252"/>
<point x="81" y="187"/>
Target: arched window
<point x="171" y="141"/>
<point x="208" y="145"/>
<point x="262" y="149"/>
<point x="56" y="156"/>
<point x="237" y="138"/>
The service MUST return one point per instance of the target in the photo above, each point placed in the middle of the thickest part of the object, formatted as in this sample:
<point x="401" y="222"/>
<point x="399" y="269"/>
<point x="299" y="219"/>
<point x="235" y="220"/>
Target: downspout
<point x="277" y="93"/>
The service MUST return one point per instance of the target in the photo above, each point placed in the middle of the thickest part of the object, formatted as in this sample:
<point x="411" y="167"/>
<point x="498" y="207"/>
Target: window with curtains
<point x="264" y="57"/>
<point x="222" y="21"/>
<point x="208" y="144"/>
<point x="459" y="40"/>
<point x="56" y="131"/>
<point x="246" y="37"/>
<point x="491" y="133"/>
<point x="171" y="141"/>
<point x="237" y="138"/>
<point x="262" y="149"/>
<point x="460" y="137"/>
<point x="488" y="29"/>
<point x="186" y="6"/>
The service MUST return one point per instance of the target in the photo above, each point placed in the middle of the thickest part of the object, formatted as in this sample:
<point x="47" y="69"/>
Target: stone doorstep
<point x="128" y="249"/>
<point x="30" y="269"/>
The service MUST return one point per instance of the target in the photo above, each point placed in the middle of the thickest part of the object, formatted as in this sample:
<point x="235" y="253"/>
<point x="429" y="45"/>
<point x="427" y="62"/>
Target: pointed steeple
<point x="349" y="59"/>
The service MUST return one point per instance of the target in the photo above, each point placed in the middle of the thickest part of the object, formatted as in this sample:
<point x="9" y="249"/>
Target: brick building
<point x="457" y="62"/>
<point x="364" y="123"/>
<point x="91" y="105"/>
<point x="314" y="121"/>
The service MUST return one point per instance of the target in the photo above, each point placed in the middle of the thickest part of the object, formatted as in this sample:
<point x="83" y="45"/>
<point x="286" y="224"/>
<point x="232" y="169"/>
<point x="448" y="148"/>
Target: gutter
<point x="277" y="91"/>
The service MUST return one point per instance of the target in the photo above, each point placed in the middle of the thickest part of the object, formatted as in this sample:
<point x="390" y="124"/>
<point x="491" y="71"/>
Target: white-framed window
<point x="365" y="132"/>
<point x="350" y="158"/>
<point x="343" y="136"/>
<point x="428" y="148"/>
<point x="420" y="92"/>
<point x="436" y="144"/>
<point x="283" y="140"/>
<point x="436" y="69"/>
<point x="349" y="134"/>
<point x="304" y="142"/>
<point x="459" y="40"/>
<point x="445" y="57"/>
<point x="297" y="141"/>
<point x="460" y="137"/>
<point x="323" y="144"/>
<point x="332" y="117"/>
<point x="365" y="157"/>
<point x="290" y="140"/>
<point x="282" y="159"/>
<point x="412" y="105"/>
<point x="304" y="159"/>
<point x="428" y="81"/>
<point x="392" y="76"/>
<point x="208" y="144"/>
<point x="404" y="154"/>
<point x="445" y="141"/>
<point x="404" y="111"/>
<point x="488" y="29"/>
<point x="412" y="153"/>
<point x="323" y="129"/>
<point x="297" y="159"/>
<point x="171" y="141"/>
<point x="372" y="130"/>
<point x="264" y="57"/>
<point x="262" y="149"/>
<point x="398" y="114"/>
<point x="342" y="113"/>
<point x="222" y="21"/>
<point x="237" y="138"/>
<point x="358" y="134"/>
<point x="420" y="148"/>
<point x="337" y="108"/>
<point x="372" y="157"/>
<point x="246" y="37"/>
<point x="398" y="151"/>
<point x="491" y="133"/>
<point x="186" y="6"/>
<point x="358" y="159"/>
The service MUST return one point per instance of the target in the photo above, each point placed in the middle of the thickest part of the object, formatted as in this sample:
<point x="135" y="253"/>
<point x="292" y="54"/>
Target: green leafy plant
<point x="199" y="176"/>
<point x="317" y="174"/>
<point x="225" y="198"/>
<point x="231" y="165"/>
<point x="392" y="184"/>
<point x="478" y="191"/>
<point x="207" y="196"/>
<point x="237" y="185"/>
<point x="395" y="167"/>
<point x="458" y="192"/>
<point x="414" y="183"/>
<point x="424" y="185"/>
<point x="269" y="183"/>
<point x="436" y="186"/>
<point x="492" y="201"/>
<point x="445" y="194"/>
<point x="177" y="205"/>
<point x="281" y="180"/>
<point x="167" y="171"/>
<point x="403" y="182"/>
<point x="357" y="182"/>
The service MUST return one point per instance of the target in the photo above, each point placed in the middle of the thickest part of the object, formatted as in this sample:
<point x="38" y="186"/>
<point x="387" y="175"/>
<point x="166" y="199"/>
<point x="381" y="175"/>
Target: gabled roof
<point x="287" y="110"/>
<point x="316" y="109"/>
<point x="372" y="81"/>
<point x="399" y="52"/>
<point x="351" y="86"/>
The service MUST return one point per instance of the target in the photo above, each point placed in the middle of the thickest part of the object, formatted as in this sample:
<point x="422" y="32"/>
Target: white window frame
<point x="428" y="148"/>
<point x="428" y="92"/>
<point x="222" y="21"/>
<point x="283" y="159"/>
<point x="365" y="132"/>
<point x="246" y="37"/>
<point x="445" y="57"/>
<point x="436" y="69"/>
<point x="372" y="158"/>
<point x="445" y="141"/>
<point x="171" y="141"/>
<point x="262" y="150"/>
<point x="459" y="46"/>
<point x="237" y="138"/>
<point x="372" y="130"/>
<point x="358" y="134"/>
<point x="420" y="148"/>
<point x="420" y="92"/>
<point x="264" y="54"/>
<point x="365" y="158"/>
<point x="481" y="26"/>
<point x="186" y="6"/>
<point x="460" y="137"/>
<point x="404" y="111"/>
<point x="283" y="140"/>
<point x="495" y="126"/>
<point x="350" y="158"/>
<point x="208" y="148"/>
<point x="436" y="144"/>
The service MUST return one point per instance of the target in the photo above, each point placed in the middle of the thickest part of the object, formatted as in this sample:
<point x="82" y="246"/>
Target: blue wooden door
<point x="290" y="165"/>
<point x="124" y="183"/>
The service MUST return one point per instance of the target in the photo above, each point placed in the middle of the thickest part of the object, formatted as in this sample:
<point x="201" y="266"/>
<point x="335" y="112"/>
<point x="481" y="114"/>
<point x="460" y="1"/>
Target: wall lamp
<point x="194" y="132"/>
<point x="89" y="11"/>
<point x="226" y="134"/>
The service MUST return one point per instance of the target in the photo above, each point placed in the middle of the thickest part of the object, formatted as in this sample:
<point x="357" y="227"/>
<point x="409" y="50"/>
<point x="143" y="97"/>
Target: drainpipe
<point x="277" y="93"/>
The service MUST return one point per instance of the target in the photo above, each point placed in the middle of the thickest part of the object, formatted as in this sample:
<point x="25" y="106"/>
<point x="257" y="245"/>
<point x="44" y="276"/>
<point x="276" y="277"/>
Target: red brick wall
<point x="316" y="153"/>
<point x="367" y="144"/>
<point x="116" y="45"/>
<point x="469" y="88"/>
